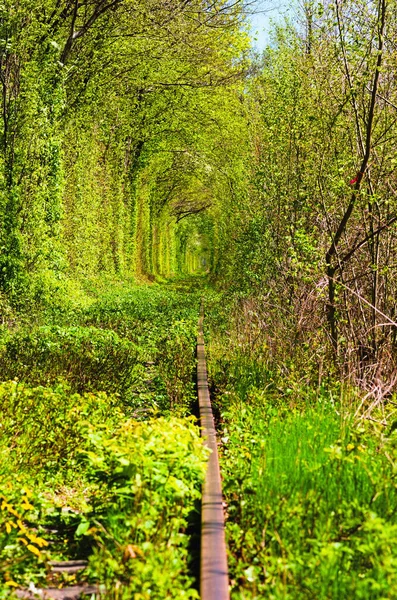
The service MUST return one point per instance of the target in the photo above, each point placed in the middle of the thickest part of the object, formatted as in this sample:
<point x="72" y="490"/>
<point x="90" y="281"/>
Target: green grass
<point x="311" y="495"/>
<point x="100" y="460"/>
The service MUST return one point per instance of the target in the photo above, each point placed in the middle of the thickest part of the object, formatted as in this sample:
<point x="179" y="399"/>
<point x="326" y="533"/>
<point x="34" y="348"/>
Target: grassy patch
<point x="311" y="494"/>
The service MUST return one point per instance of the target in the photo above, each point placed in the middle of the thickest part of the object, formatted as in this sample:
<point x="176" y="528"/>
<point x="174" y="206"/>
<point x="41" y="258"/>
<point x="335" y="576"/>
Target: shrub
<point x="86" y="357"/>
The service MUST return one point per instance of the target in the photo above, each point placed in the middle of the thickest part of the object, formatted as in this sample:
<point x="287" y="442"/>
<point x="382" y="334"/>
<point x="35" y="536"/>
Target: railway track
<point x="214" y="581"/>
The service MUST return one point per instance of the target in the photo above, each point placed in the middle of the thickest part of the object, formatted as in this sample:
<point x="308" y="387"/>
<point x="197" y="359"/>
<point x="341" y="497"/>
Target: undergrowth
<point x="310" y="491"/>
<point x="99" y="459"/>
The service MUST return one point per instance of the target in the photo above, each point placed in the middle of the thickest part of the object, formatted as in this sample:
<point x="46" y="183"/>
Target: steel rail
<point x="214" y="580"/>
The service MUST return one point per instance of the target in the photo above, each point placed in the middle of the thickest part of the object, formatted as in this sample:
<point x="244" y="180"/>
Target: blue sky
<point x="273" y="10"/>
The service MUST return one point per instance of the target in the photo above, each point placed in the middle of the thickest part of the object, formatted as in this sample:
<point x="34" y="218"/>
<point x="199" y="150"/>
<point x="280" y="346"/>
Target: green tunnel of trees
<point x="144" y="139"/>
<point x="120" y="119"/>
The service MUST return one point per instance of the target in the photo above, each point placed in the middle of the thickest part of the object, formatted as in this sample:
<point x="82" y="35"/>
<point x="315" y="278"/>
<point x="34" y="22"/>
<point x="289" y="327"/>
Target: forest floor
<point x="101" y="458"/>
<point x="310" y="489"/>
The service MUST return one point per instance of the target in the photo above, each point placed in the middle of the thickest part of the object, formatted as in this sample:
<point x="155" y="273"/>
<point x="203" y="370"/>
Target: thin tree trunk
<point x="332" y="252"/>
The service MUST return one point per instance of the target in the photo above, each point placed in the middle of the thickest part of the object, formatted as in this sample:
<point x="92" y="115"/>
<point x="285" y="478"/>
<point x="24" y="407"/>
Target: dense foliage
<point x="119" y="120"/>
<point x="313" y="242"/>
<point x="108" y="465"/>
<point x="142" y="141"/>
<point x="309" y="487"/>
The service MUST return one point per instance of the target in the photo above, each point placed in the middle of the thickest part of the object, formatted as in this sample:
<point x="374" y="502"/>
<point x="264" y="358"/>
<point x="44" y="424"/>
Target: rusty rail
<point x="214" y="581"/>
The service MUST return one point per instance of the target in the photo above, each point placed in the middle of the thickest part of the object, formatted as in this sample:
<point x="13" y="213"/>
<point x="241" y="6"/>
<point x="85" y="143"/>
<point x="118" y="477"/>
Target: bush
<point x="153" y="472"/>
<point x="86" y="357"/>
<point x="93" y="485"/>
